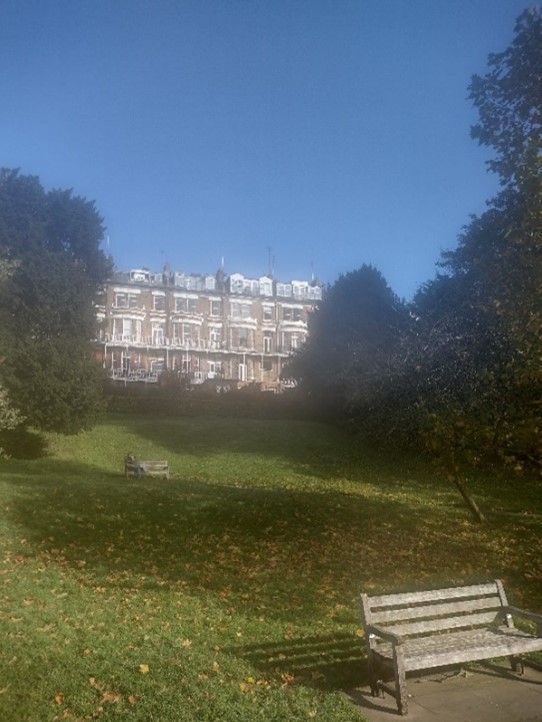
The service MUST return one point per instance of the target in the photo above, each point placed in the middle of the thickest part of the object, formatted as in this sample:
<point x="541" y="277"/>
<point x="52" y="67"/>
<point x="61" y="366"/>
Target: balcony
<point x="129" y="377"/>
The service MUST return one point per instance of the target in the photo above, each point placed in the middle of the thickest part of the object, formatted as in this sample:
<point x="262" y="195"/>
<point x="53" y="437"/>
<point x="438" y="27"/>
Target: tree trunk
<point x="469" y="500"/>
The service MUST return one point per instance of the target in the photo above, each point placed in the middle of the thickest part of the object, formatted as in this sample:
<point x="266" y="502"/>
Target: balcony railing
<point x="161" y="341"/>
<point x="191" y="344"/>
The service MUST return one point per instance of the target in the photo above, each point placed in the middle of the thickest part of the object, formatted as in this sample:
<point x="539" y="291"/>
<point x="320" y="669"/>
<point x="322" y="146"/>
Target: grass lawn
<point x="230" y="591"/>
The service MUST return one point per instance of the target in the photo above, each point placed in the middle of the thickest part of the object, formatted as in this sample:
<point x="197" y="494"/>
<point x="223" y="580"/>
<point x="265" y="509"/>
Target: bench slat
<point x="464" y="646"/>
<point x="438" y="625"/>
<point x="394" y="600"/>
<point x="435" y="610"/>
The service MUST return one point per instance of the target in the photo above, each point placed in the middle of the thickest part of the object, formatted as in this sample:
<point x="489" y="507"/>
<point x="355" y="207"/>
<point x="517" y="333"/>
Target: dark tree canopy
<point x="47" y="314"/>
<point x="487" y="307"/>
<point x="509" y="102"/>
<point x="352" y="336"/>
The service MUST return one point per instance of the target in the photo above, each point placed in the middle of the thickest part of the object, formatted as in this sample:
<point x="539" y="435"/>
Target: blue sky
<point x="335" y="132"/>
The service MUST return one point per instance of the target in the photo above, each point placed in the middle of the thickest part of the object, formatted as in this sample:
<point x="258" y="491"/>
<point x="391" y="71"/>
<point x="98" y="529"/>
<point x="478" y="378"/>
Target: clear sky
<point x="335" y="132"/>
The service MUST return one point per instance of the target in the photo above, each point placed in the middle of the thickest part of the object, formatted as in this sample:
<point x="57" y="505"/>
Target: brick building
<point x="223" y="331"/>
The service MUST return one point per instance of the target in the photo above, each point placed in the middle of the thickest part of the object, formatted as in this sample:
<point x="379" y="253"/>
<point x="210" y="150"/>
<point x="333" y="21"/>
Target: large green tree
<point x="498" y="259"/>
<point x="479" y="344"/>
<point x="47" y="313"/>
<point x="353" y="339"/>
<point x="509" y="104"/>
<point x="10" y="417"/>
<point x="464" y="371"/>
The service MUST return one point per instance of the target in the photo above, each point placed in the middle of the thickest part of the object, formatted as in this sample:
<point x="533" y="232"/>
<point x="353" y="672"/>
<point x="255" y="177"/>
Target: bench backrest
<point x="416" y="613"/>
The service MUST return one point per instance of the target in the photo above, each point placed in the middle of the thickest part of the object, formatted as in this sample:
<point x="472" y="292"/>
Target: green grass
<point x="234" y="583"/>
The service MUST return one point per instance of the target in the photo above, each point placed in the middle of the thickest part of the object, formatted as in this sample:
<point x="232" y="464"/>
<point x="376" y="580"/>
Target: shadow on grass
<point x="292" y="554"/>
<point x="320" y="451"/>
<point x="311" y="448"/>
<point x="23" y="444"/>
<point x="326" y="661"/>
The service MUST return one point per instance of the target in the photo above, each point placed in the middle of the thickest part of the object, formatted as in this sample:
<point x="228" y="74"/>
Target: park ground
<point x="230" y="591"/>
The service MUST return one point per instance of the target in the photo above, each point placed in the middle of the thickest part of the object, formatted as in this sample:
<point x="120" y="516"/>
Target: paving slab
<point x="485" y="693"/>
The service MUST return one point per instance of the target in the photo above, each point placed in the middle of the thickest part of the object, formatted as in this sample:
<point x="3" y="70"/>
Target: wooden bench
<point x="423" y="630"/>
<point x="138" y="467"/>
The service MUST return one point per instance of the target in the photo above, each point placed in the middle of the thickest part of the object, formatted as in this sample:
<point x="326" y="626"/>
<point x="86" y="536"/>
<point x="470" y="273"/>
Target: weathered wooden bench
<point x="422" y="630"/>
<point x="138" y="467"/>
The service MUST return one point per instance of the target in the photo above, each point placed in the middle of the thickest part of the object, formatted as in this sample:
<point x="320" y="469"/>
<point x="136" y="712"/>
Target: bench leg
<point x="516" y="662"/>
<point x="400" y="681"/>
<point x="373" y="679"/>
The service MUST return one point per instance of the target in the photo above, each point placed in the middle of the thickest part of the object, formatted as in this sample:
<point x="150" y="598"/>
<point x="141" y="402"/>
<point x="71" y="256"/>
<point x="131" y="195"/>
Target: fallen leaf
<point x="132" y="699"/>
<point x="94" y="684"/>
<point x="144" y="668"/>
<point x="59" y="698"/>
<point x="111" y="697"/>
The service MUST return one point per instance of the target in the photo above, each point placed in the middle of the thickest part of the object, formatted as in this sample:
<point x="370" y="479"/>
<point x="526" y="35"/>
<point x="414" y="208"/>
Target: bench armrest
<point x="383" y="634"/>
<point x="522" y="614"/>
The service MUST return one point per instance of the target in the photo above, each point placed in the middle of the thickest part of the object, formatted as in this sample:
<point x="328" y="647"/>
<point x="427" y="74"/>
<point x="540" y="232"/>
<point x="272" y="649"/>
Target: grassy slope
<point x="235" y="583"/>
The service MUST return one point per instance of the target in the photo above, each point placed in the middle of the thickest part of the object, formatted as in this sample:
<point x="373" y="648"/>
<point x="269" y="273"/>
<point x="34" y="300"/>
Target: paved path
<point x="488" y="693"/>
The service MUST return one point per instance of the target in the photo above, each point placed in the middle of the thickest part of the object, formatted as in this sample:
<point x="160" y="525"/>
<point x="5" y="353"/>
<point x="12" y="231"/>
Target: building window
<point x="267" y="343"/>
<point x="186" y="334"/>
<point x="294" y="341"/>
<point x="251" y="287"/>
<point x="126" y="300"/>
<point x="242" y="372"/>
<point x="268" y="313"/>
<point x="240" y="310"/>
<point x="266" y="287"/>
<point x="157" y="333"/>
<point x="159" y="303"/>
<point x="214" y="369"/>
<point x="292" y="314"/>
<point x="267" y="364"/>
<point x="301" y="290"/>
<point x="126" y="329"/>
<point x="214" y="309"/>
<point x="284" y="289"/>
<point x="215" y="337"/>
<point x="243" y="338"/>
<point x="186" y="305"/>
<point x="122" y="329"/>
